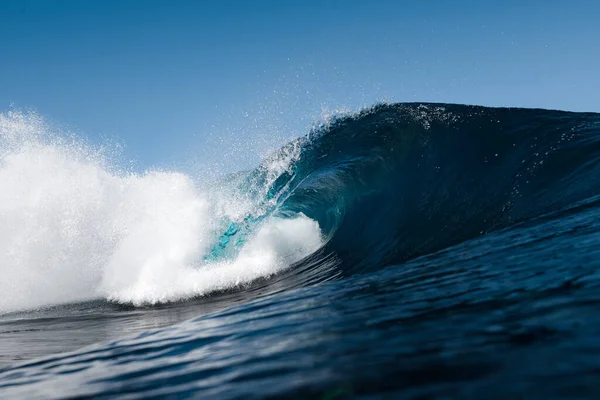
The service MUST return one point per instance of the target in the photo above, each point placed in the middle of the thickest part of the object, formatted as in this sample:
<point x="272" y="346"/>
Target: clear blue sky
<point x="222" y="81"/>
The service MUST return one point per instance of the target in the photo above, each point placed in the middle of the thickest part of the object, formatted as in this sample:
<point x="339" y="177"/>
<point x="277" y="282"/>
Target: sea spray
<point x="73" y="229"/>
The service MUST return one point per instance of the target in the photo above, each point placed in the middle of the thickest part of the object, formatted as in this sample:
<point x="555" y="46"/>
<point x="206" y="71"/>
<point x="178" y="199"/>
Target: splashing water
<point x="71" y="229"/>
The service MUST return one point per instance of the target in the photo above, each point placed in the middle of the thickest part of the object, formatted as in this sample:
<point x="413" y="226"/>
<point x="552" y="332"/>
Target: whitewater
<point x="74" y="228"/>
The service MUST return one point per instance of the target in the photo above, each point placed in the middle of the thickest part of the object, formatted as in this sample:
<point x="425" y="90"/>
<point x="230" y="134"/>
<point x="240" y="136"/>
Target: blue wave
<point x="398" y="181"/>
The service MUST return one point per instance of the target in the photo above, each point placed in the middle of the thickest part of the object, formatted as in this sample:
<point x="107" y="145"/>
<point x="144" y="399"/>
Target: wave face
<point x="359" y="193"/>
<point x="399" y="181"/>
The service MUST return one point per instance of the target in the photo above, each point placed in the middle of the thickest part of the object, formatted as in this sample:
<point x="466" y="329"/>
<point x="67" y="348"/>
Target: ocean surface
<point x="418" y="251"/>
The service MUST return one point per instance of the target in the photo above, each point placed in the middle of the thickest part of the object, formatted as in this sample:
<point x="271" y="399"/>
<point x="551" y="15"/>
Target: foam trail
<point x="72" y="230"/>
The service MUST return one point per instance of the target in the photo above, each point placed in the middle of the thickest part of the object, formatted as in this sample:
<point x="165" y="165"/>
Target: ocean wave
<point x="360" y="192"/>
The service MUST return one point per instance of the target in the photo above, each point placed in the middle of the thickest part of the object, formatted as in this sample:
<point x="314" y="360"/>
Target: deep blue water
<point x="460" y="261"/>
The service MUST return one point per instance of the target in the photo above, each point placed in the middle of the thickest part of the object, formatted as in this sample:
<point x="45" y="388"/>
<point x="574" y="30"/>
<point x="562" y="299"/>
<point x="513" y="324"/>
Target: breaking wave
<point x="359" y="192"/>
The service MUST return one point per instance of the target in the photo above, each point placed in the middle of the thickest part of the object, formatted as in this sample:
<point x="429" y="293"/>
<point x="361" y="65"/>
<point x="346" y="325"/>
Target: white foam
<point x="71" y="230"/>
<point x="277" y="244"/>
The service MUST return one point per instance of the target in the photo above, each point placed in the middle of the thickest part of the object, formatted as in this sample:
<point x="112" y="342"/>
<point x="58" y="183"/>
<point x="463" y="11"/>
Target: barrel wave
<point x="399" y="181"/>
<point x="360" y="192"/>
<point x="408" y="250"/>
